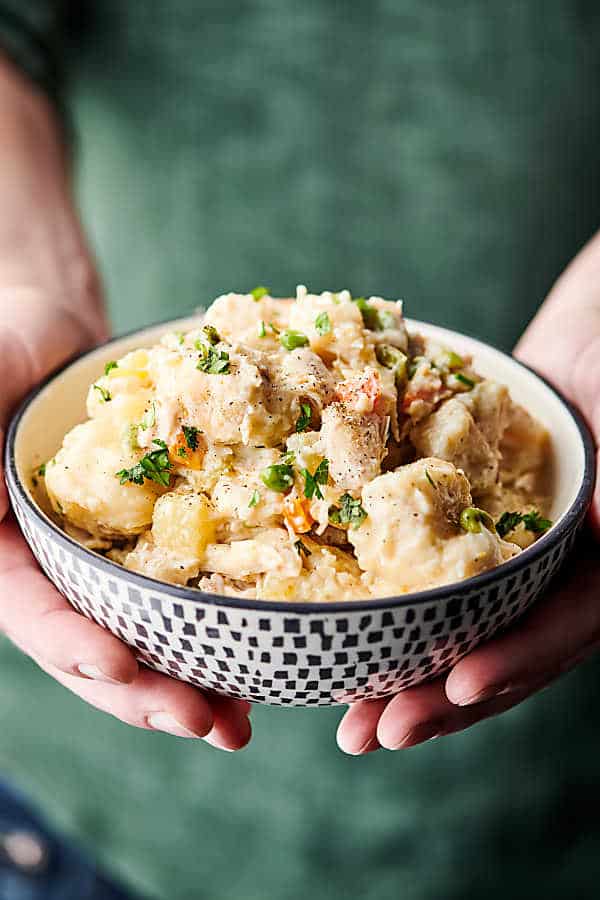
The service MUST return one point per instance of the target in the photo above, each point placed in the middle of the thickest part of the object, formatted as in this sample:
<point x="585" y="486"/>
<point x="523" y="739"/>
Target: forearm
<point x="50" y="301"/>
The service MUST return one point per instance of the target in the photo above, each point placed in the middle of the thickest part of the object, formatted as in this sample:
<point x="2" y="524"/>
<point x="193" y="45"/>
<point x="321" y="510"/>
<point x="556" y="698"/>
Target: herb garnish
<point x="106" y="395"/>
<point x="110" y="366"/>
<point x="533" y="521"/>
<point x="42" y="470"/>
<point x="274" y="328"/>
<point x="154" y="466"/>
<point x="374" y="319"/>
<point x="312" y="482"/>
<point x="289" y="458"/>
<point x="291" y="340"/>
<point x="468" y="382"/>
<point x="262" y="331"/>
<point x="430" y="480"/>
<point x="214" y="362"/>
<point x="350" y="512"/>
<point x="302" y="548"/>
<point x="190" y="434"/>
<point x="259" y="292"/>
<point x="304" y="418"/>
<point x="323" y="324"/>
<point x="254" y="499"/>
<point x="211" y="333"/>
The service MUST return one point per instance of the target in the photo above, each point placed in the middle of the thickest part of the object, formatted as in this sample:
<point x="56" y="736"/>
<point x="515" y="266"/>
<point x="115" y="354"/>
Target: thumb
<point x="563" y="343"/>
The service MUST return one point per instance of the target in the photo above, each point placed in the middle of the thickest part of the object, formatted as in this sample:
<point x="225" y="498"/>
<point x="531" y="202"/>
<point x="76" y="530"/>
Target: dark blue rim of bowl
<point x="572" y="518"/>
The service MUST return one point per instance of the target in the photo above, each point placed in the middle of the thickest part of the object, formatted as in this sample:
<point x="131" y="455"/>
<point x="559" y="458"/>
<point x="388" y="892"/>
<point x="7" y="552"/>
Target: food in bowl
<point x="305" y="449"/>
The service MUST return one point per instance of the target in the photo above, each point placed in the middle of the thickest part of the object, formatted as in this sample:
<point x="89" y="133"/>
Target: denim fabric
<point x="66" y="873"/>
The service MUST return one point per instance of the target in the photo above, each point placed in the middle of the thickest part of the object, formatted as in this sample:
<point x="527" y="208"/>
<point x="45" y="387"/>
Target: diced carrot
<point x="182" y="455"/>
<point x="363" y="393"/>
<point x="296" y="513"/>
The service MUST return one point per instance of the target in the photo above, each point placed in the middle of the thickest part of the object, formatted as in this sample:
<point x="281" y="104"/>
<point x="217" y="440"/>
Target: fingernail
<point x="219" y="746"/>
<point x="427" y="731"/>
<point x="488" y="693"/>
<point x="163" y="721"/>
<point x="96" y="674"/>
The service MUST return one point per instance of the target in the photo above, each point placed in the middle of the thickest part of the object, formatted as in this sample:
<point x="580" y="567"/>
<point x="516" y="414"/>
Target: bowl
<point x="286" y="653"/>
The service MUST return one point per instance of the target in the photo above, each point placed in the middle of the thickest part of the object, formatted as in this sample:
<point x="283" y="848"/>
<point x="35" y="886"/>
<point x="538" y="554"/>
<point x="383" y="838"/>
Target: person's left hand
<point x="563" y="343"/>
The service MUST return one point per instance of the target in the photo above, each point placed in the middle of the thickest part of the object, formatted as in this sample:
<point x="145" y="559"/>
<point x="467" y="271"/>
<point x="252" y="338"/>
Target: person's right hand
<point x="50" y="309"/>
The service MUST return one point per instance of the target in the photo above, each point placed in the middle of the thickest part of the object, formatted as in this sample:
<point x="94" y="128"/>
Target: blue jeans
<point x="36" y="864"/>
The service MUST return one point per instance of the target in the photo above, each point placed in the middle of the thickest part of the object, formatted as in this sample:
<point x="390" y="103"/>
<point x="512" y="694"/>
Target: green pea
<point x="394" y="359"/>
<point x="472" y="518"/>
<point x="291" y="339"/>
<point x="278" y="477"/>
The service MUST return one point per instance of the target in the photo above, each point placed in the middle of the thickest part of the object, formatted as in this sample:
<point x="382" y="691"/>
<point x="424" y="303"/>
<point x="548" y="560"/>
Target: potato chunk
<point x="270" y="551"/>
<point x="82" y="482"/>
<point x="410" y="539"/>
<point x="183" y="524"/>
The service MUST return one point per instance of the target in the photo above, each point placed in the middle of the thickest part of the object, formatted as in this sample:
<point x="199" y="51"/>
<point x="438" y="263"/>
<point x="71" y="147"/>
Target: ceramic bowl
<point x="297" y="654"/>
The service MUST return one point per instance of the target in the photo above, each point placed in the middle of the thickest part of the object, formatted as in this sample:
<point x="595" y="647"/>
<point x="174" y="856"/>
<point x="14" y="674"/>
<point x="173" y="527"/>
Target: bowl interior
<point x="60" y="405"/>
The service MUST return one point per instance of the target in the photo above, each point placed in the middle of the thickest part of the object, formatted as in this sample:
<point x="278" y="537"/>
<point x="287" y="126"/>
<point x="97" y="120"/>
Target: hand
<point x="563" y="343"/>
<point x="50" y="309"/>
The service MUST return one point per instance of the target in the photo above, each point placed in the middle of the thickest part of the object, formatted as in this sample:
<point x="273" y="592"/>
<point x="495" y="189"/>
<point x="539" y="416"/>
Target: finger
<point x="558" y="631"/>
<point x="153" y="701"/>
<point x="357" y="731"/>
<point x="415" y="715"/>
<point x="3" y="490"/>
<point x="39" y="620"/>
<point x="401" y="727"/>
<point x="231" y="730"/>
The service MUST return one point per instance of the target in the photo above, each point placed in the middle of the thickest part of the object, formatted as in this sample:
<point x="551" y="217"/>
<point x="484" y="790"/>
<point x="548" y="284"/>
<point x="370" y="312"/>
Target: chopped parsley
<point x="259" y="292"/>
<point x="154" y="466"/>
<point x="288" y="458"/>
<point x="375" y="319"/>
<point x="214" y="362"/>
<point x="413" y="365"/>
<point x="304" y="418"/>
<point x="110" y="366"/>
<point x="350" y="512"/>
<point x="393" y="359"/>
<point x="254" y="499"/>
<point x="533" y="521"/>
<point x="262" y="331"/>
<point x="274" y="328"/>
<point x="323" y="324"/>
<point x="181" y="451"/>
<point x="430" y="480"/>
<point x="42" y="470"/>
<point x="212" y="335"/>
<point x="149" y="417"/>
<point x="105" y="395"/>
<point x="190" y="434"/>
<point x="312" y="482"/>
<point x="468" y="382"/>
<point x="302" y="548"/>
<point x="291" y="340"/>
<point x="180" y="335"/>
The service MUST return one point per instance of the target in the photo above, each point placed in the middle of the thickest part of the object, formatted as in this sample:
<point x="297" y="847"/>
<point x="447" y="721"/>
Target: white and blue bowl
<point x="284" y="653"/>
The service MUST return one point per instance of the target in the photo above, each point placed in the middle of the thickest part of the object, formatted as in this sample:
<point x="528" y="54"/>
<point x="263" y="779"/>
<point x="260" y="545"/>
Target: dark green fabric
<point x="446" y="153"/>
